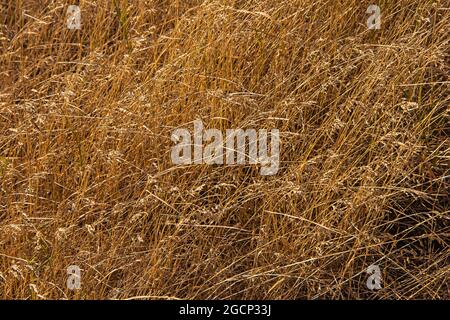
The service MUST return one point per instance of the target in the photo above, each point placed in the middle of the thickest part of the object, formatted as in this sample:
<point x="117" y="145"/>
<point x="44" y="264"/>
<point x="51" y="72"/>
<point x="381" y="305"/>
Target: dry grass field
<point x="86" y="176"/>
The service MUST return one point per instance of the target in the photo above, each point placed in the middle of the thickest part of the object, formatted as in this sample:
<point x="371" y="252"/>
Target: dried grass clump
<point x="86" y="175"/>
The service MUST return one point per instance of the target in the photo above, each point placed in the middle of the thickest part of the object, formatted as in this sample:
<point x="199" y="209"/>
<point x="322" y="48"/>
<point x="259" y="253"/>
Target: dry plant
<point x="86" y="177"/>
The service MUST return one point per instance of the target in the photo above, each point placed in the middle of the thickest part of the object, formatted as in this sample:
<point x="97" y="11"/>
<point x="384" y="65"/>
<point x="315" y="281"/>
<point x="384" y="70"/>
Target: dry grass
<point x="86" y="175"/>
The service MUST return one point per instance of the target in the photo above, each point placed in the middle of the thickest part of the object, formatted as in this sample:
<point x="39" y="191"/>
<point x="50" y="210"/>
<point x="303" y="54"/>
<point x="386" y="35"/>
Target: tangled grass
<point x="86" y="177"/>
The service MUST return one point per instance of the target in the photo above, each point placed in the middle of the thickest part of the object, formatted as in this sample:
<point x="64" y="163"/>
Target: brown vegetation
<point x="86" y="177"/>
